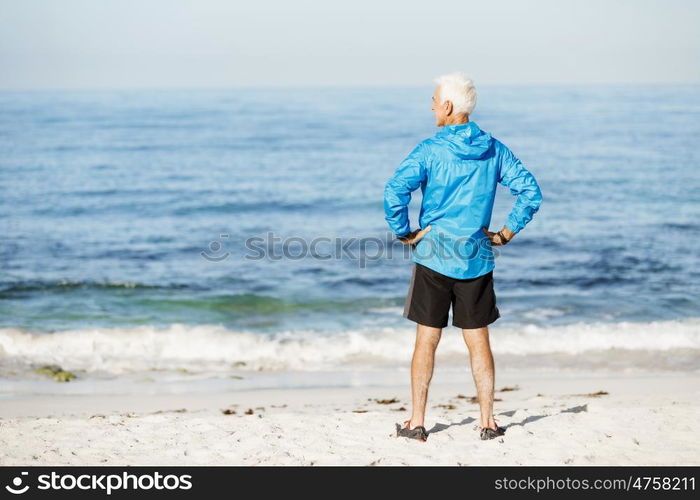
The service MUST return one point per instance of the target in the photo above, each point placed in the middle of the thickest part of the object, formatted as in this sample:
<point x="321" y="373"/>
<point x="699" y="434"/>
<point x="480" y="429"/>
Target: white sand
<point x="643" y="420"/>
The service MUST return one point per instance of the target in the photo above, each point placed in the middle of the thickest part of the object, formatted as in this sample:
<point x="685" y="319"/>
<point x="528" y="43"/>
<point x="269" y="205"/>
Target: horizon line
<point x="332" y="86"/>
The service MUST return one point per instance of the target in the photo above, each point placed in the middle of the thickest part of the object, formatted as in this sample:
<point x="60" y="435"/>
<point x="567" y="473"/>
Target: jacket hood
<point x="466" y="140"/>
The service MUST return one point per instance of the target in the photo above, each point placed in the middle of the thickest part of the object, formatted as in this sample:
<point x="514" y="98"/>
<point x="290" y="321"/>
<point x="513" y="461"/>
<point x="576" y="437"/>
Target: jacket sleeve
<point x="523" y="185"/>
<point x="397" y="192"/>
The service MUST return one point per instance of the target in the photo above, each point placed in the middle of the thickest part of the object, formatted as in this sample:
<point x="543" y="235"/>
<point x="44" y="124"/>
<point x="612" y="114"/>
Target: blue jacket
<point x="458" y="170"/>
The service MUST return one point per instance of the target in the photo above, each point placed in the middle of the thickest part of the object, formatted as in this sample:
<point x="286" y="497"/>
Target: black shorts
<point x="430" y="295"/>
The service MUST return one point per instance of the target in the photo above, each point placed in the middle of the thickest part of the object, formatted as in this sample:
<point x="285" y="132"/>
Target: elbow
<point x="390" y="194"/>
<point x="536" y="203"/>
<point x="535" y="196"/>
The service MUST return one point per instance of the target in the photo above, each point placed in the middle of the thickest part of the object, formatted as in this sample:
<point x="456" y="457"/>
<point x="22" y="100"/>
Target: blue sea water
<point x="122" y="210"/>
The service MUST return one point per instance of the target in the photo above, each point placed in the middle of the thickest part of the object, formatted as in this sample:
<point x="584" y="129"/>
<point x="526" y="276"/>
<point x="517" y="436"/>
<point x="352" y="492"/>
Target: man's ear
<point x="448" y="108"/>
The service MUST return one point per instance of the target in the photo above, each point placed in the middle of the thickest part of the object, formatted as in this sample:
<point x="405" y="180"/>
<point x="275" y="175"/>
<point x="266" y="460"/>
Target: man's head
<point x="454" y="99"/>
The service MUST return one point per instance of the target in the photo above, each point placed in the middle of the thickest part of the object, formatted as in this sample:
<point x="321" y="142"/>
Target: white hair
<point x="459" y="89"/>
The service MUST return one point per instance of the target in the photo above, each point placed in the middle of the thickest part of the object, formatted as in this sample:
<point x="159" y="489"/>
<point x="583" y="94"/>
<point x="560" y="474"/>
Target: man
<point x="457" y="170"/>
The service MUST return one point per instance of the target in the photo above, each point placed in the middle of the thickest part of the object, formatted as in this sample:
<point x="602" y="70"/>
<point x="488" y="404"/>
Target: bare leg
<point x="483" y="371"/>
<point x="427" y="339"/>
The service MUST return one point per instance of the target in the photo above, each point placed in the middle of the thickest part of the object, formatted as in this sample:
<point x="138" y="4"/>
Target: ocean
<point x="240" y="230"/>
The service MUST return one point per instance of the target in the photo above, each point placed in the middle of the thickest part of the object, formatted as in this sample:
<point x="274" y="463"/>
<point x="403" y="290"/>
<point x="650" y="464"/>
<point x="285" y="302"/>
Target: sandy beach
<point x="551" y="419"/>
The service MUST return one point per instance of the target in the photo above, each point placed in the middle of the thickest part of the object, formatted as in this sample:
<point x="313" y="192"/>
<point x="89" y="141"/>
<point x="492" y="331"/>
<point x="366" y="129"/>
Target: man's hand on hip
<point x="501" y="237"/>
<point x="414" y="237"/>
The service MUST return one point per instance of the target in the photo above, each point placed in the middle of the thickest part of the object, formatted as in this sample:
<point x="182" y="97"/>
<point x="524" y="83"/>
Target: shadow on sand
<point x="532" y="418"/>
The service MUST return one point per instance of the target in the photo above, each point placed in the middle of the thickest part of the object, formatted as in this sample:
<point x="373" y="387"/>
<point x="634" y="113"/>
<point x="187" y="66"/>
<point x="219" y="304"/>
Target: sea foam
<point x="214" y="348"/>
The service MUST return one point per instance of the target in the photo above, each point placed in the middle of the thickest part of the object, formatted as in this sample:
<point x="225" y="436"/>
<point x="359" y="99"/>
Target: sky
<point x="112" y="44"/>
